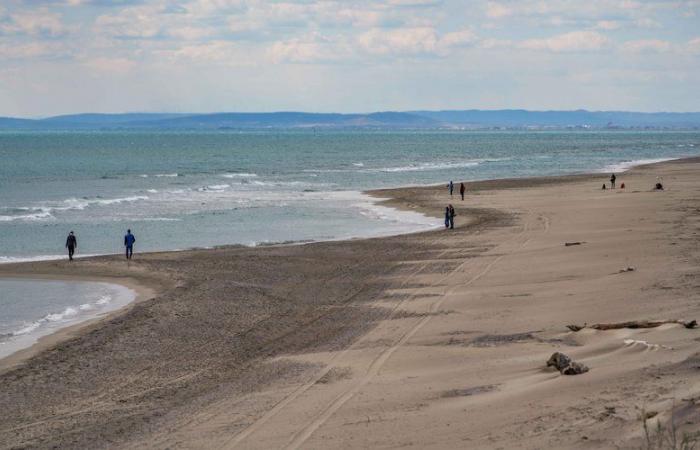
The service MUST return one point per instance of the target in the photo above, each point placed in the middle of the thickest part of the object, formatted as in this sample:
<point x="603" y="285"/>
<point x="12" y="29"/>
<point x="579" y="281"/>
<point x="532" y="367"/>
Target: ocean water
<point x="179" y="190"/>
<point x="30" y="309"/>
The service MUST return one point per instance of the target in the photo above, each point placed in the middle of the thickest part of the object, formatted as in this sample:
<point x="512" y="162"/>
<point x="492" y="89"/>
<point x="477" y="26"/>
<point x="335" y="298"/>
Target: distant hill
<point x="562" y="119"/>
<point x="458" y="119"/>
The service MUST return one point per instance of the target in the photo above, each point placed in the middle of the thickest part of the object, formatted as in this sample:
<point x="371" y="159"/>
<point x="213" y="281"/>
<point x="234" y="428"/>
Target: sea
<point x="198" y="189"/>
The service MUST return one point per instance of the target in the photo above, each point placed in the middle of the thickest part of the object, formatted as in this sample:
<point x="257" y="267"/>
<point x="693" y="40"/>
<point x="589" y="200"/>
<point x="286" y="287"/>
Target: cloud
<point x="133" y="22"/>
<point x="110" y="65"/>
<point x="496" y="10"/>
<point x="31" y="50"/>
<point x="646" y="22"/>
<point x="693" y="45"/>
<point x="405" y="41"/>
<point x="308" y="49"/>
<point x="646" y="45"/>
<point x="574" y="41"/>
<point x="39" y="22"/>
<point x="413" y="41"/>
<point x="608" y="25"/>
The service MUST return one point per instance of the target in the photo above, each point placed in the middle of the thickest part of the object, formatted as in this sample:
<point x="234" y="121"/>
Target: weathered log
<point x="634" y="324"/>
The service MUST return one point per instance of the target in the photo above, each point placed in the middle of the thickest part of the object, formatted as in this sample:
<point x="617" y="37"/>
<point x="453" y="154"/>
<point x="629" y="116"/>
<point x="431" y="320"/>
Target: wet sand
<point x="430" y="340"/>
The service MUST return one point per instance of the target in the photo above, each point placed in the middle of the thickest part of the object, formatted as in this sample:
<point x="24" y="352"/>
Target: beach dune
<point x="430" y="340"/>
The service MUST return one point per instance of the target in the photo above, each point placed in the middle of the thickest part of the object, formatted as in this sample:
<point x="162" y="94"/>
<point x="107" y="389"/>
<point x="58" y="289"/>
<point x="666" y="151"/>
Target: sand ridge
<point x="431" y="340"/>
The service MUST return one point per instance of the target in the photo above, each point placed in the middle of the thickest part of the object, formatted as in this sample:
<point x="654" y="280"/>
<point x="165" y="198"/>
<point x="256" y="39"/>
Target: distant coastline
<point x="509" y="119"/>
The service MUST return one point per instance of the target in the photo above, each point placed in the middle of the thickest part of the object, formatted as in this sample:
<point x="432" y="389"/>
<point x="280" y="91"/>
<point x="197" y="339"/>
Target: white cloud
<point x="307" y="49"/>
<point x="133" y="22"/>
<point x="188" y="33"/>
<point x="608" y="25"/>
<point x="110" y="65"/>
<point x="646" y="22"/>
<point x="40" y="22"/>
<point x="568" y="42"/>
<point x="402" y="41"/>
<point x="31" y="50"/>
<point x="693" y="45"/>
<point x="458" y="39"/>
<point x="646" y="45"/>
<point x="496" y="10"/>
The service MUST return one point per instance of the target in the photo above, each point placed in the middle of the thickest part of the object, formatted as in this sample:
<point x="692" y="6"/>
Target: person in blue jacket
<point x="129" y="240"/>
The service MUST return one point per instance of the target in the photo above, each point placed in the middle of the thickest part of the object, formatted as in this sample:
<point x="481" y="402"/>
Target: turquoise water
<point x="179" y="190"/>
<point x="31" y="309"/>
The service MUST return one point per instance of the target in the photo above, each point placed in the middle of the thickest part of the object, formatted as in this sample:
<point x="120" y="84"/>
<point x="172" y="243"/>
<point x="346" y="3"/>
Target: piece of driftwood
<point x="569" y="244"/>
<point x="632" y="324"/>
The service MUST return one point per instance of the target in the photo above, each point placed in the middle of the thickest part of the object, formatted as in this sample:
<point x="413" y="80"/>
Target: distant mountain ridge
<point x="448" y="119"/>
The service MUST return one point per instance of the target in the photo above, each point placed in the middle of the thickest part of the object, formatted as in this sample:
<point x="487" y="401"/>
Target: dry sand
<point x="430" y="340"/>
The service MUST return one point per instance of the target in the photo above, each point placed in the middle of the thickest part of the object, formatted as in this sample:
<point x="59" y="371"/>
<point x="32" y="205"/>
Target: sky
<point x="72" y="56"/>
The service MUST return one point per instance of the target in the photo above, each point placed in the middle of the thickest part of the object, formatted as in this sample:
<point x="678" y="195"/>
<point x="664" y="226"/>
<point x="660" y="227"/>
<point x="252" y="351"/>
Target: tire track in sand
<point x="302" y="436"/>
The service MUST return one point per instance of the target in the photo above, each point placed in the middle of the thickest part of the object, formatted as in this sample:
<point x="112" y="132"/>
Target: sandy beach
<point x="429" y="340"/>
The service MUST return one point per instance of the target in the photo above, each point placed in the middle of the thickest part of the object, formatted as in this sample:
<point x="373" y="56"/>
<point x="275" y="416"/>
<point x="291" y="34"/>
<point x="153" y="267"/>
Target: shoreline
<point x="142" y="292"/>
<point x="234" y="328"/>
<point x="386" y="197"/>
<point x="390" y="198"/>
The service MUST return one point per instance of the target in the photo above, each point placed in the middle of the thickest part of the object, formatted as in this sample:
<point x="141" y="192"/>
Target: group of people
<point x="451" y="188"/>
<point x="613" y="178"/>
<point x="449" y="209"/>
<point x="72" y="244"/>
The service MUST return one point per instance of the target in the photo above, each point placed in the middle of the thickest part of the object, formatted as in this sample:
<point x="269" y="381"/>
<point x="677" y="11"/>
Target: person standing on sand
<point x="447" y="217"/>
<point x="71" y="245"/>
<point x="451" y="187"/>
<point x="612" y="181"/>
<point x="452" y="217"/>
<point x="129" y="240"/>
<point x="461" y="190"/>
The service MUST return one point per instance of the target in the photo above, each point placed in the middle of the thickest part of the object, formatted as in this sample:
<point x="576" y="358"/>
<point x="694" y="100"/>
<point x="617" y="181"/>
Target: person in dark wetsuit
<point x="129" y="240"/>
<point x="461" y="190"/>
<point x="612" y="181"/>
<point x="71" y="245"/>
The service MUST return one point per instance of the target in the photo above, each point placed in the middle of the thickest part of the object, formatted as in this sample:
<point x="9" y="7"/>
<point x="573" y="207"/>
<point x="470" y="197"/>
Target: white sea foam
<point x="239" y="175"/>
<point x="47" y="210"/>
<point x="438" y="165"/>
<point x="18" y="259"/>
<point x="417" y="167"/>
<point x="624" y="166"/>
<point x="214" y="187"/>
<point x="68" y="313"/>
<point x="43" y="214"/>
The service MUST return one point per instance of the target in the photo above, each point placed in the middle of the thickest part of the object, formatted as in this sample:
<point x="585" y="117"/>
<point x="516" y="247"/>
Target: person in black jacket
<point x="71" y="245"/>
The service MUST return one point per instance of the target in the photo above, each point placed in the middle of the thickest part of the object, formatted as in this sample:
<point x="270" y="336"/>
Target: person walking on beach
<point x="612" y="181"/>
<point x="461" y="190"/>
<point x="129" y="240"/>
<point x="71" y="245"/>
<point x="447" y="217"/>
<point x="451" y="187"/>
<point x="452" y="216"/>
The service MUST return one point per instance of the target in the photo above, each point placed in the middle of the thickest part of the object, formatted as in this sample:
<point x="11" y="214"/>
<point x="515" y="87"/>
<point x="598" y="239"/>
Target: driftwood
<point x="569" y="244"/>
<point x="633" y="324"/>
